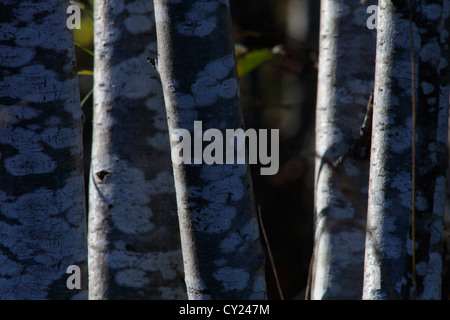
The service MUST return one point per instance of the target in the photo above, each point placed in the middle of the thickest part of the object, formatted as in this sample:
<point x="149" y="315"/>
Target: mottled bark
<point x="346" y="73"/>
<point x="388" y="260"/>
<point x="219" y="231"/>
<point x="42" y="206"/>
<point x="134" y="242"/>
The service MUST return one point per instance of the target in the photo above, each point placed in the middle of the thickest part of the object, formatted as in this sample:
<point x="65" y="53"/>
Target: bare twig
<point x="272" y="263"/>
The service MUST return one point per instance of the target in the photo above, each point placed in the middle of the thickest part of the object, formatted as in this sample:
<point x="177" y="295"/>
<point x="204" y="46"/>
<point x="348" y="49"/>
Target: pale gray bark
<point x="134" y="242"/>
<point x="345" y="83"/>
<point x="388" y="246"/>
<point x="42" y="200"/>
<point x="219" y="230"/>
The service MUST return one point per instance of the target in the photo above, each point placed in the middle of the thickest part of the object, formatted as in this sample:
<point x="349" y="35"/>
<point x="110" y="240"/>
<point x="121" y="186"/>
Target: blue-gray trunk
<point x="134" y="242"/>
<point x="42" y="199"/>
<point x="219" y="230"/>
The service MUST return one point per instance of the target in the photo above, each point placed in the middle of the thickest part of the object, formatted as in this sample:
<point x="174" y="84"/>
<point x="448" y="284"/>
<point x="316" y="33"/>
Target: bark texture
<point x="346" y="75"/>
<point x="388" y="267"/>
<point x="219" y="230"/>
<point x="134" y="242"/>
<point x="42" y="201"/>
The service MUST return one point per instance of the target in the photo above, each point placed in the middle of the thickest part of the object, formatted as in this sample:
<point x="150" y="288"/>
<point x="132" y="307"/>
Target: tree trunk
<point x="134" y="242"/>
<point x="346" y="72"/>
<point x="42" y="200"/>
<point x="219" y="230"/>
<point x="389" y="249"/>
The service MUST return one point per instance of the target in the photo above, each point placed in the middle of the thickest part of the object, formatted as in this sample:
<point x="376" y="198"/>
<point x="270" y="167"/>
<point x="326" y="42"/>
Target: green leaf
<point x="253" y="60"/>
<point x="83" y="48"/>
<point x="86" y="97"/>
<point x="240" y="49"/>
<point x="79" y="3"/>
<point x="86" y="72"/>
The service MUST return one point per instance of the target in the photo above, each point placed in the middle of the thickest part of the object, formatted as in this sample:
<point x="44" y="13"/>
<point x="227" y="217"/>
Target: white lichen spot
<point x="220" y="68"/>
<point x="9" y="267"/>
<point x="429" y="50"/>
<point x="228" y="88"/>
<point x="133" y="220"/>
<point x="59" y="138"/>
<point x="440" y="197"/>
<point x="46" y="33"/>
<point x="134" y="278"/>
<point x="259" y="288"/>
<point x="185" y="101"/>
<point x="82" y="295"/>
<point x="167" y="263"/>
<point x="162" y="183"/>
<point x="7" y="31"/>
<point x="140" y="6"/>
<point x="127" y="189"/>
<point x="34" y="163"/>
<point x="53" y="121"/>
<point x="132" y="79"/>
<point x="230" y="243"/>
<point x="338" y="212"/>
<point x="159" y="141"/>
<point x="155" y="103"/>
<point x="437" y="230"/>
<point x="137" y="24"/>
<point x="24" y="140"/>
<point x="211" y="82"/>
<point x="427" y="88"/>
<point x="205" y="90"/>
<point x="36" y="80"/>
<point x="226" y="189"/>
<point x="400" y="183"/>
<point x="215" y="218"/>
<point x="421" y="268"/>
<point x="351" y="169"/>
<point x="402" y="138"/>
<point x="392" y="247"/>
<point x="168" y="293"/>
<point x="421" y="201"/>
<point x="13" y="57"/>
<point x="432" y="11"/>
<point x="232" y="278"/>
<point x="200" y="20"/>
<point x="116" y="7"/>
<point x="250" y="230"/>
<point x="433" y="276"/>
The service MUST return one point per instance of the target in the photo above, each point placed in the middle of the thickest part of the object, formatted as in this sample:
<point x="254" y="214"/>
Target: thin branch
<point x="272" y="263"/>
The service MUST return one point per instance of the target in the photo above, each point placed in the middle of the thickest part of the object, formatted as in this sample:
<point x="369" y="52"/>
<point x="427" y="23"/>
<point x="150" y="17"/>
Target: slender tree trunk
<point x="42" y="200"/>
<point x="219" y="230"/>
<point x="346" y="73"/>
<point x="134" y="242"/>
<point x="388" y="260"/>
